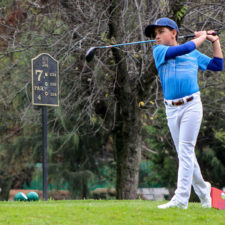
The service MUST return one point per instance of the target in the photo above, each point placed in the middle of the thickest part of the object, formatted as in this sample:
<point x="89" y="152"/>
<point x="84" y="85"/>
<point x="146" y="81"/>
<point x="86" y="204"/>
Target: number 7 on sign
<point x="39" y="73"/>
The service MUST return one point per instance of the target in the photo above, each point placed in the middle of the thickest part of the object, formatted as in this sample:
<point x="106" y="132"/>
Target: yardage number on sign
<point x="45" y="80"/>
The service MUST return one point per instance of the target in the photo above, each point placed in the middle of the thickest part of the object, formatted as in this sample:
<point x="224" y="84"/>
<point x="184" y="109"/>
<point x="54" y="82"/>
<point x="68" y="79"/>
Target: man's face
<point x="165" y="36"/>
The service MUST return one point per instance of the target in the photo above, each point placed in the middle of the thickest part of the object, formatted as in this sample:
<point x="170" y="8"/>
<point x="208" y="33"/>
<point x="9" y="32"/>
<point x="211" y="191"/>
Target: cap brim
<point x="150" y="30"/>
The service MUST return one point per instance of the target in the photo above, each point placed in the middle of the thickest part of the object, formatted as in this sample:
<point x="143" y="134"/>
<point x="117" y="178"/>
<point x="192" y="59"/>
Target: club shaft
<point x="140" y="42"/>
<point x="132" y="43"/>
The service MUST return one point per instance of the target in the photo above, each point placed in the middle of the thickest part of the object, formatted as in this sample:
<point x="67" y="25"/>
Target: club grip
<point x="192" y="35"/>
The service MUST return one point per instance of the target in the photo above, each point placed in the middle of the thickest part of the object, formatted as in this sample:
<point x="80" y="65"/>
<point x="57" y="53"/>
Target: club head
<point x="90" y="54"/>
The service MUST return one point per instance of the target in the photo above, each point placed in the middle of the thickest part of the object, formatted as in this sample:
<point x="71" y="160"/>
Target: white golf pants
<point x="184" y="123"/>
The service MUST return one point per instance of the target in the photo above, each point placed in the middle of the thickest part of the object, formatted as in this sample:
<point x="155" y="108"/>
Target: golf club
<point x="91" y="52"/>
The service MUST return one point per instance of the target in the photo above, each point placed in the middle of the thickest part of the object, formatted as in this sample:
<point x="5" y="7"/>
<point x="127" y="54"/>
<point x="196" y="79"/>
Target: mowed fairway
<point x="99" y="212"/>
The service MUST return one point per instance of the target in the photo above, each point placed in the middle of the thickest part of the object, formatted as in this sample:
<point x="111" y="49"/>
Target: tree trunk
<point x="127" y="142"/>
<point x="127" y="130"/>
<point x="126" y="134"/>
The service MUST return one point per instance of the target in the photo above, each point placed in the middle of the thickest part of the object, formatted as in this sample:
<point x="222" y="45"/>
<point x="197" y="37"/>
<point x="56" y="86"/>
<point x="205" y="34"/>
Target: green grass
<point x="99" y="212"/>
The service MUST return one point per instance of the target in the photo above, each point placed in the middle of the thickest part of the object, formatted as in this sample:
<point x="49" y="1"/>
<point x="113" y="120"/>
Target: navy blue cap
<point x="161" y="22"/>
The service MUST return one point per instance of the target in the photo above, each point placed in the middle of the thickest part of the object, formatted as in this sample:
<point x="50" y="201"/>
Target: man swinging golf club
<point x="178" y="66"/>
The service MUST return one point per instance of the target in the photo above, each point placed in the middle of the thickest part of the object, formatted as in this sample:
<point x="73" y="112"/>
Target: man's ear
<point x="174" y="33"/>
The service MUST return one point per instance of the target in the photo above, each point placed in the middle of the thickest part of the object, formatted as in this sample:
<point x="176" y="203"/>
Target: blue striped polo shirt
<point x="179" y="75"/>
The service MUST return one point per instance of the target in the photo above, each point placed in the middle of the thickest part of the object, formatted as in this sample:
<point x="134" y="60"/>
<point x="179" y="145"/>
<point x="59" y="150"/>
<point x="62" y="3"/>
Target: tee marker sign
<point x="45" y="80"/>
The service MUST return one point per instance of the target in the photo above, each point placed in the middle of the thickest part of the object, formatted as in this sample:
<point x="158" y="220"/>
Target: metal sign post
<point x="45" y="92"/>
<point x="45" y="152"/>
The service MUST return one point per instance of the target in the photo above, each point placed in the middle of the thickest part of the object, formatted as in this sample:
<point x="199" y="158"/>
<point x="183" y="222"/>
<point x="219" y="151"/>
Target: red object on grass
<point x="218" y="198"/>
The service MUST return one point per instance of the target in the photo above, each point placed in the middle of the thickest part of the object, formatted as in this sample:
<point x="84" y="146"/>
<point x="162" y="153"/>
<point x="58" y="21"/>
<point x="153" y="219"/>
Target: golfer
<point x="178" y="66"/>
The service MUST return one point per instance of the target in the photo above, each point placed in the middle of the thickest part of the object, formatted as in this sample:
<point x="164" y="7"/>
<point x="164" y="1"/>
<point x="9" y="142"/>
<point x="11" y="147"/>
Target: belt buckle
<point x="180" y="102"/>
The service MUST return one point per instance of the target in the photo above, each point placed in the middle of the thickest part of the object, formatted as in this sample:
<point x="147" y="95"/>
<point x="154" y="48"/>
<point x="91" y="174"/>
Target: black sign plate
<point x="45" y="80"/>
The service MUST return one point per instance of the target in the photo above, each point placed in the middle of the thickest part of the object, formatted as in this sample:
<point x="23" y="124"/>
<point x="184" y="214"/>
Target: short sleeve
<point x="159" y="54"/>
<point x="203" y="60"/>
